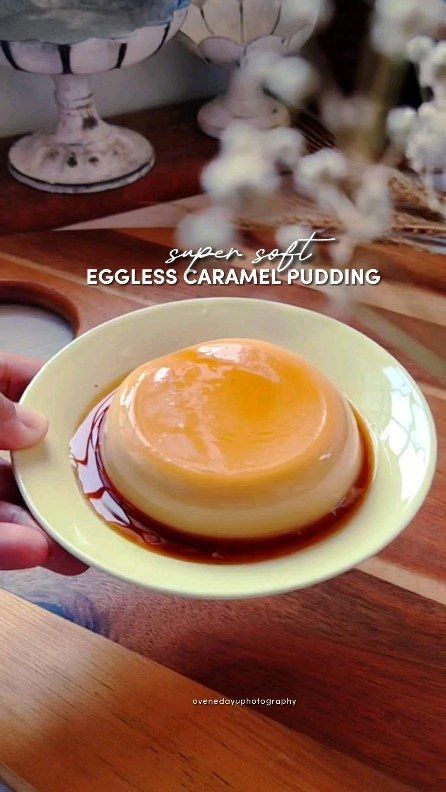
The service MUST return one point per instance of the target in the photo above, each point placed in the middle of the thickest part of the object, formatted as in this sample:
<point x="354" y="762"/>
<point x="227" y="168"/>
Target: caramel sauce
<point x="123" y="517"/>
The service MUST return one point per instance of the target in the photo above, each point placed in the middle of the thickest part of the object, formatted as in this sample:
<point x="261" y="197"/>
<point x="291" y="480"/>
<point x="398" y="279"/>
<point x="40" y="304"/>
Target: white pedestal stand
<point x="82" y="154"/>
<point x="244" y="101"/>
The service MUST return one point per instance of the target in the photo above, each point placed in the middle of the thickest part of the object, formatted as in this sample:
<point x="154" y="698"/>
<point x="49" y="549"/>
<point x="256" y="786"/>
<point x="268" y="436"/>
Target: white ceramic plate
<point x="396" y="411"/>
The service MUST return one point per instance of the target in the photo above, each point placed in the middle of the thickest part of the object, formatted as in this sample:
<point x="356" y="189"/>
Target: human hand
<point x="23" y="544"/>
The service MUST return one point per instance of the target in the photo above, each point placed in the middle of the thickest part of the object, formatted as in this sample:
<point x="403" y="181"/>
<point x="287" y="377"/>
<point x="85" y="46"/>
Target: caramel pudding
<point x="230" y="440"/>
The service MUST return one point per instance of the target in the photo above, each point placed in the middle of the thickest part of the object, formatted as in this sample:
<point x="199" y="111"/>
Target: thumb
<point x="19" y="427"/>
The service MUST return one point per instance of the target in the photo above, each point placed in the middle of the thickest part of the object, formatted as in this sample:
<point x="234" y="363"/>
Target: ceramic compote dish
<point x="231" y="438"/>
<point x="224" y="33"/>
<point x="70" y="40"/>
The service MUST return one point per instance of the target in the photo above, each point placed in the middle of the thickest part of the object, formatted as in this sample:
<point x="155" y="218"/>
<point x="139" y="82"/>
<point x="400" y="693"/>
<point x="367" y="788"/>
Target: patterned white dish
<point x="224" y="32"/>
<point x="69" y="42"/>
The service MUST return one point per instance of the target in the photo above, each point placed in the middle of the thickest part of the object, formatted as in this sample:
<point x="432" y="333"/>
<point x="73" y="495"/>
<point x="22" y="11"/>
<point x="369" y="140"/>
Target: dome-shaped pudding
<point x="231" y="439"/>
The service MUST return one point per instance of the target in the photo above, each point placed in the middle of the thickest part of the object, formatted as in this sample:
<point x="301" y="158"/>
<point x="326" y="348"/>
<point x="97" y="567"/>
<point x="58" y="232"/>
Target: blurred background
<point x="173" y="75"/>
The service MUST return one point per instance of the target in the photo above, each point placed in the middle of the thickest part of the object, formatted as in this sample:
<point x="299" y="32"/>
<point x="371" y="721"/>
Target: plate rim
<point x="257" y="590"/>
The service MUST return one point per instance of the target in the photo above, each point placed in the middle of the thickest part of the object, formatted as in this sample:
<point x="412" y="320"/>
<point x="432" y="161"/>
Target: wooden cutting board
<point x="363" y="655"/>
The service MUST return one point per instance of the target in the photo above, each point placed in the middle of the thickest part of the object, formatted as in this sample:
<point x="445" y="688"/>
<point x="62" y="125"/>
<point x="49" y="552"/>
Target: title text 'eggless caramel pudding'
<point x="223" y="448"/>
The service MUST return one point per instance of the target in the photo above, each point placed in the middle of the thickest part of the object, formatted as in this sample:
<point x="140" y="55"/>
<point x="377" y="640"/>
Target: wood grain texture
<point x="176" y="138"/>
<point x="365" y="660"/>
<point x="80" y="306"/>
<point x="62" y="253"/>
<point x="80" y="713"/>
<point x="51" y="269"/>
<point x="397" y="261"/>
<point x="181" y="151"/>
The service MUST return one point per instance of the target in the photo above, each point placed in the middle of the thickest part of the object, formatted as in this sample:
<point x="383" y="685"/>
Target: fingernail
<point x="31" y="419"/>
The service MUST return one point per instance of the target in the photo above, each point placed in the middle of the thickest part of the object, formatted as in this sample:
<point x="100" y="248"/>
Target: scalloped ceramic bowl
<point x="393" y="407"/>
<point x="224" y="32"/>
<point x="69" y="40"/>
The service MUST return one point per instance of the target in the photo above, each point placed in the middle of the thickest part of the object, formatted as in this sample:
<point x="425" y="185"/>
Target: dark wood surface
<point x="180" y="152"/>
<point x="72" y="253"/>
<point x="79" y="713"/>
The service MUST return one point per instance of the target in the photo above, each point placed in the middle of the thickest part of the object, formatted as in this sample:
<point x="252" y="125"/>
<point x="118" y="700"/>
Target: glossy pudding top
<point x="231" y="409"/>
<point x="232" y="437"/>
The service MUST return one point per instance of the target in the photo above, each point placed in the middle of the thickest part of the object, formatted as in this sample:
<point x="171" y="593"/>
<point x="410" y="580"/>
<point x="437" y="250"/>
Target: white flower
<point x="325" y="167"/>
<point x="240" y="177"/>
<point x="396" y="22"/>
<point x="291" y="80"/>
<point x="400" y="124"/>
<point x="284" y="146"/>
<point x="374" y="203"/>
<point x="258" y="64"/>
<point x="418" y="52"/>
<point x="425" y="138"/>
<point x="298" y="238"/>
<point x="262" y="152"/>
<point x="427" y="111"/>
<point x="438" y="61"/>
<point x="431" y="59"/>
<point x="239" y="137"/>
<point x="211" y="228"/>
<point x="321" y="176"/>
<point x="419" y="48"/>
<point x="426" y="148"/>
<point x="288" y="234"/>
<point x="360" y="199"/>
<point x="369" y="216"/>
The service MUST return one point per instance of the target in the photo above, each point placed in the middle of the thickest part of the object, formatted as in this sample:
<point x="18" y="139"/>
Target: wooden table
<point x="180" y="151"/>
<point x="83" y="714"/>
<point x="364" y="655"/>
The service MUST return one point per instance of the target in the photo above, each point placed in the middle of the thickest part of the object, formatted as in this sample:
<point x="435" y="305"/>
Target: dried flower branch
<point x="397" y="22"/>
<point x="421" y="135"/>
<point x="352" y="184"/>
